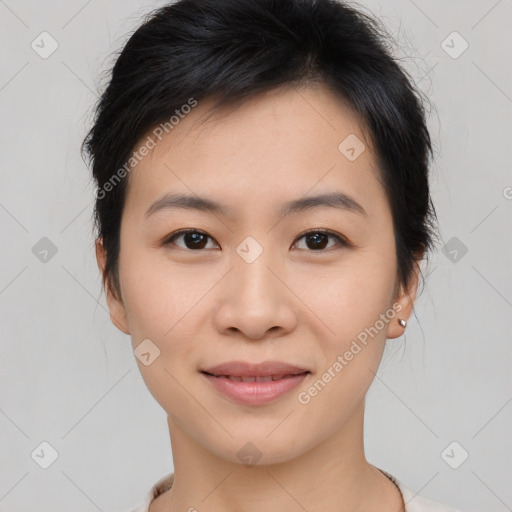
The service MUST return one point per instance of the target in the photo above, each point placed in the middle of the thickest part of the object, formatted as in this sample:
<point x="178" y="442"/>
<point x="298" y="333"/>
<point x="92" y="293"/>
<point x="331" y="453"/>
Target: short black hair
<point x="232" y="50"/>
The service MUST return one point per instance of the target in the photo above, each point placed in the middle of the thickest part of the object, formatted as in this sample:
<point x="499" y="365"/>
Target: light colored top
<point x="413" y="502"/>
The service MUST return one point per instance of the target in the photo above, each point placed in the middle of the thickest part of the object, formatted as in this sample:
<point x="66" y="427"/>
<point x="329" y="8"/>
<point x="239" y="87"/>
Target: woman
<point x="262" y="209"/>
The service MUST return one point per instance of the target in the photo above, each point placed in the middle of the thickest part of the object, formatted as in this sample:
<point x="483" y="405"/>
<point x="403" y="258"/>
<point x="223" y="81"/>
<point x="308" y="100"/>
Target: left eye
<point x="316" y="240"/>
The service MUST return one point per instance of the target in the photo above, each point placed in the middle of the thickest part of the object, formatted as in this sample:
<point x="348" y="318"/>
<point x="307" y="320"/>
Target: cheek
<point x="158" y="297"/>
<point x="352" y="346"/>
<point x="160" y="307"/>
<point x="166" y="304"/>
<point x="352" y="297"/>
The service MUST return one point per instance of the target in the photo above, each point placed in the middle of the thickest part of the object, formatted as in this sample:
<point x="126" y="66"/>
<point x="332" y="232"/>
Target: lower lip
<point x="255" y="393"/>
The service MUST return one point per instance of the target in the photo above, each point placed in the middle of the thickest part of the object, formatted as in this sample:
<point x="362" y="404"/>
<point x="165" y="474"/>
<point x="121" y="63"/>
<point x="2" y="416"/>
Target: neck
<point x="333" y="475"/>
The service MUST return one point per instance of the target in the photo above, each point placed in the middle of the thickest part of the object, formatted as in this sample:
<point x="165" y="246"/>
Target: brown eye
<point x="318" y="240"/>
<point x="193" y="239"/>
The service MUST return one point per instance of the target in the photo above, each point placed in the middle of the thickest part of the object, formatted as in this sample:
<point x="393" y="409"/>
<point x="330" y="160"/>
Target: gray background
<point x="68" y="376"/>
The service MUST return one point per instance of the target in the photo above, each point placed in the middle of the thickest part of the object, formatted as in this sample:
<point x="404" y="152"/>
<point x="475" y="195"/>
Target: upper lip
<point x="246" y="369"/>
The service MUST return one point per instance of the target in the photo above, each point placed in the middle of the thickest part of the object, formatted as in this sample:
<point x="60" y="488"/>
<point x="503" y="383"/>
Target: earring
<point x="403" y="323"/>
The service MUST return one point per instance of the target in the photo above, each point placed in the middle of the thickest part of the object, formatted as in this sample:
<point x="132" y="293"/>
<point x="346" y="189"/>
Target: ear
<point x="115" y="305"/>
<point x="404" y="300"/>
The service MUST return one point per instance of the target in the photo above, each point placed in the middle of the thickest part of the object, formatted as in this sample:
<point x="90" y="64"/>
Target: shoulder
<point x="164" y="484"/>
<point x="416" y="503"/>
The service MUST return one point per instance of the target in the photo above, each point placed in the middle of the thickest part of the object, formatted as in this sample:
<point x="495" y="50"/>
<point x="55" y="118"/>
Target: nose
<point x="255" y="301"/>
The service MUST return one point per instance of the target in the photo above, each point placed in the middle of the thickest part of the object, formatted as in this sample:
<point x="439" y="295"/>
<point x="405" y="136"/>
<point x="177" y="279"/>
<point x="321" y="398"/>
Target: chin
<point x="259" y="448"/>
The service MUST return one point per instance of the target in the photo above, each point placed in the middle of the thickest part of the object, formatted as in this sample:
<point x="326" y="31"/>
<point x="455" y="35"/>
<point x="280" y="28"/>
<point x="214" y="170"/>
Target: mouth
<point x="254" y="384"/>
<point x="272" y="370"/>
<point x="256" y="378"/>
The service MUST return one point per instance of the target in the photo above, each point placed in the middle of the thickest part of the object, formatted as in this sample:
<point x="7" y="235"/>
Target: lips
<point x="254" y="372"/>
<point x="266" y="378"/>
<point x="255" y="384"/>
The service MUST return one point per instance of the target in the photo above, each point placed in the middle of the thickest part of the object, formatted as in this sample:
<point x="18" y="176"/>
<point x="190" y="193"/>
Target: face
<point x="315" y="288"/>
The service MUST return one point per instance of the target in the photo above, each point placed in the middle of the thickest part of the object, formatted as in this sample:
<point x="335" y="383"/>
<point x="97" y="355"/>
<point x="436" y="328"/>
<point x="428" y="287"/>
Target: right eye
<point x="193" y="239"/>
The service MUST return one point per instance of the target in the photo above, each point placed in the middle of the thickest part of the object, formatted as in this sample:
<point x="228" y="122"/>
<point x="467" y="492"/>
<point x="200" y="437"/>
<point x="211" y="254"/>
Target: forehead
<point x="275" y="146"/>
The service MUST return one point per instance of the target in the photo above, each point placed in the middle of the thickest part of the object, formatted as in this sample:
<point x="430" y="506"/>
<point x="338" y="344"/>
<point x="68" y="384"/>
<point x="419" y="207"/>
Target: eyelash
<point x="341" y="241"/>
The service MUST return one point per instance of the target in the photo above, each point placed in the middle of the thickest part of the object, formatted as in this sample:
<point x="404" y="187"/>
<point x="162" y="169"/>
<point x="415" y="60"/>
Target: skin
<point x="206" y="306"/>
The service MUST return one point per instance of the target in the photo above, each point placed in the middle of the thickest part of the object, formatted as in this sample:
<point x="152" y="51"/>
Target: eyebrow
<point x="338" y="200"/>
